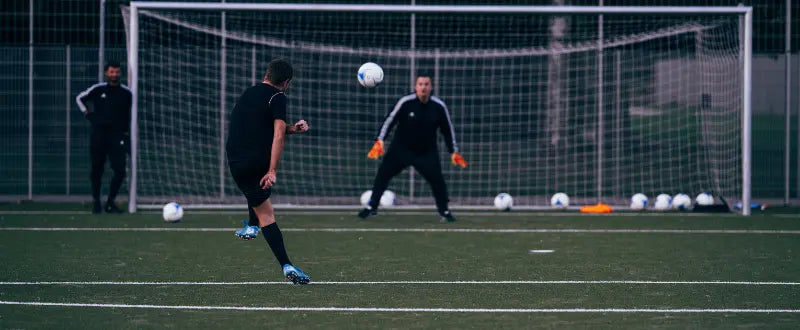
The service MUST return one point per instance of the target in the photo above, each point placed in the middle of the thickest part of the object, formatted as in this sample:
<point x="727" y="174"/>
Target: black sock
<point x="273" y="236"/>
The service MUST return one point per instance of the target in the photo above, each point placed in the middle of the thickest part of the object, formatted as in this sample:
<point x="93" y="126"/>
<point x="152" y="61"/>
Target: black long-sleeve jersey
<point x="107" y="105"/>
<point x="417" y="123"/>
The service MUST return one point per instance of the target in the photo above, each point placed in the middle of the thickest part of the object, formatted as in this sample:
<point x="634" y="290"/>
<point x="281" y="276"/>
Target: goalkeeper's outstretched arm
<point x="388" y="123"/>
<point x="446" y="127"/>
<point x="449" y="133"/>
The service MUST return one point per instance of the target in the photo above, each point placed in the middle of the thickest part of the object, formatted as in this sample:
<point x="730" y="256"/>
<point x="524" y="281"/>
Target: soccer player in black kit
<point x="256" y="135"/>
<point x="417" y="116"/>
<point x="107" y="106"/>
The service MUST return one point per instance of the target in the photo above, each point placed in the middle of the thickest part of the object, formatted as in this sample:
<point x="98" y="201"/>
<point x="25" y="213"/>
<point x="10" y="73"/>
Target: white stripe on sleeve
<point x="450" y="122"/>
<point x="82" y="106"/>
<point x="387" y="123"/>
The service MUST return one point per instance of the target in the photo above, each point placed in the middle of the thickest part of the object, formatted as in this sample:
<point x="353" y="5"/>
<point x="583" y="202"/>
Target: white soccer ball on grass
<point x="503" y="201"/>
<point x="559" y="200"/>
<point x="639" y="202"/>
<point x="663" y="202"/>
<point x="704" y="199"/>
<point x="682" y="202"/>
<point x="370" y="74"/>
<point x="387" y="199"/>
<point x="172" y="212"/>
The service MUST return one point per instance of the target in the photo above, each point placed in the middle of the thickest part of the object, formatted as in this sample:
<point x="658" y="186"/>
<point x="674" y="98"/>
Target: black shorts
<point x="247" y="175"/>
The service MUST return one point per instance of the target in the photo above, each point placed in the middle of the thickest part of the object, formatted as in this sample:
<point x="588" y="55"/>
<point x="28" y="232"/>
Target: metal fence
<point x="51" y="50"/>
<point x="47" y="156"/>
<point x="78" y="22"/>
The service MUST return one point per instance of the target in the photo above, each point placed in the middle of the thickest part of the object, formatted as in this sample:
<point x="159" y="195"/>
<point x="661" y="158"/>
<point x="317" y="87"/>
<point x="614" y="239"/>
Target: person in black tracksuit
<point x="107" y="106"/>
<point x="417" y="116"/>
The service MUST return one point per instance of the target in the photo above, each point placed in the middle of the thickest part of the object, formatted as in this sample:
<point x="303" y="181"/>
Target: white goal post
<point x="600" y="102"/>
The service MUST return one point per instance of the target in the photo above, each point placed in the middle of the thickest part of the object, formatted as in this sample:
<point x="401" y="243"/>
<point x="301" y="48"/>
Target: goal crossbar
<point x="444" y="8"/>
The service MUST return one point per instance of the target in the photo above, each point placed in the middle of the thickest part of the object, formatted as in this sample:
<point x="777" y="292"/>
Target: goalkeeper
<point x="417" y="117"/>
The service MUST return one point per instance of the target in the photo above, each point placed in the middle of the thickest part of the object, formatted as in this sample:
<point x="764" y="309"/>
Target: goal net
<point x="596" y="105"/>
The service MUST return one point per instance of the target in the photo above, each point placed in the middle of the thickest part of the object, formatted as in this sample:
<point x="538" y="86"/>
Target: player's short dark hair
<point x="424" y="74"/>
<point x="279" y="70"/>
<point x="112" y="64"/>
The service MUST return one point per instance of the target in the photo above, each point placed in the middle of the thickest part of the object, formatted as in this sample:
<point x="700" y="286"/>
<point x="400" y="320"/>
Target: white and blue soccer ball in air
<point x="639" y="202"/>
<point x="387" y="199"/>
<point x="172" y="212"/>
<point x="559" y="200"/>
<point x="370" y="74"/>
<point x="503" y="202"/>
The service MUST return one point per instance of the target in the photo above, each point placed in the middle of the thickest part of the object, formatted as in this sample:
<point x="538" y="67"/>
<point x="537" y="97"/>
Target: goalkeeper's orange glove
<point x="376" y="151"/>
<point x="458" y="160"/>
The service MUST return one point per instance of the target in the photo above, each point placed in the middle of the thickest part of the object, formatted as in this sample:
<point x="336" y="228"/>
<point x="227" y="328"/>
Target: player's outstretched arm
<point x="278" y="139"/>
<point x="449" y="133"/>
<point x="299" y="127"/>
<point x="388" y="123"/>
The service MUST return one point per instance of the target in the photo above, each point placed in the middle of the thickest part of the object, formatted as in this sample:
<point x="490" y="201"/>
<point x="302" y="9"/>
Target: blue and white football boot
<point x="248" y="232"/>
<point x="295" y="275"/>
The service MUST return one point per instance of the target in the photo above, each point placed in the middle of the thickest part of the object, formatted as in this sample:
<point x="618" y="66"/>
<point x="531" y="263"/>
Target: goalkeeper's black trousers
<point x="427" y="164"/>
<point x="107" y="143"/>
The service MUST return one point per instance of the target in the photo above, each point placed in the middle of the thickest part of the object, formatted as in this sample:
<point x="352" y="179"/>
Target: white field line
<point x="426" y="230"/>
<point x="409" y="310"/>
<point x="45" y="213"/>
<point x="541" y="251"/>
<point x="556" y="282"/>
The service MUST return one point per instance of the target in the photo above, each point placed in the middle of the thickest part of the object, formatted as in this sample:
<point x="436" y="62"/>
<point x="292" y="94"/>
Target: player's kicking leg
<point x="262" y="214"/>
<point x="274" y="238"/>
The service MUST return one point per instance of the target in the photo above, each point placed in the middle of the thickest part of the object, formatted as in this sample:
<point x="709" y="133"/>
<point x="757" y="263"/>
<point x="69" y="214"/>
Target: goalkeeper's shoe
<point x="295" y="275"/>
<point x="112" y="208"/>
<point x="367" y="212"/>
<point x="248" y="232"/>
<point x="447" y="217"/>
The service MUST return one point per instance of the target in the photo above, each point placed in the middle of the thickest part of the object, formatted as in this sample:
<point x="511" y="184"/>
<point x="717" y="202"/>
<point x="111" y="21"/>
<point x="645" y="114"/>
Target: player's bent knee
<point x="265" y="213"/>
